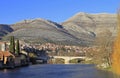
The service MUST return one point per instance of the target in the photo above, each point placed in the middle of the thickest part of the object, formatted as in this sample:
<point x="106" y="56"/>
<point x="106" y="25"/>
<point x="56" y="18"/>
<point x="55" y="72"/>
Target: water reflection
<point x="56" y="71"/>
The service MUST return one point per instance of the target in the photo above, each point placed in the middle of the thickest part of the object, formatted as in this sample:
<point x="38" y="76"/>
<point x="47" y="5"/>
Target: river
<point x="55" y="71"/>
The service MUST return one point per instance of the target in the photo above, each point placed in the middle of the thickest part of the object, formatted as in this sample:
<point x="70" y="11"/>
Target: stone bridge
<point x="68" y="58"/>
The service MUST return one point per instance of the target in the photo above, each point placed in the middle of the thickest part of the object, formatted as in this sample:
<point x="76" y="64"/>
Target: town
<point x="17" y="53"/>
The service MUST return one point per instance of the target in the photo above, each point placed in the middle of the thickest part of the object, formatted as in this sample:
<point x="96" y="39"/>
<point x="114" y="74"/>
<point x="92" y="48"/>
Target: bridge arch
<point x="76" y="60"/>
<point x="67" y="58"/>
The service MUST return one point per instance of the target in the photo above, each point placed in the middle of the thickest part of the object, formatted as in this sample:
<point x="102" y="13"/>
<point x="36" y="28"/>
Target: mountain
<point x="82" y="29"/>
<point x="40" y="30"/>
<point x="4" y="30"/>
<point x="87" y="26"/>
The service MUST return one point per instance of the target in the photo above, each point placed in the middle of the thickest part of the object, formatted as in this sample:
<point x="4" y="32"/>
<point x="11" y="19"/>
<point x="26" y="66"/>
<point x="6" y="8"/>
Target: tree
<point x="105" y="43"/>
<point x="116" y="49"/>
<point x="17" y="48"/>
<point x="12" y="44"/>
<point x="103" y="52"/>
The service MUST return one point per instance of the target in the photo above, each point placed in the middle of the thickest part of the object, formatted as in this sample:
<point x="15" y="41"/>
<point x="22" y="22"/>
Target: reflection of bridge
<point x="68" y="58"/>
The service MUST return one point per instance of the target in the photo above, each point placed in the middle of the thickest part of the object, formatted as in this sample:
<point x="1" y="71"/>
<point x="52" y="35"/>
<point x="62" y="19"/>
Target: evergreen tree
<point x="17" y="47"/>
<point x="12" y="45"/>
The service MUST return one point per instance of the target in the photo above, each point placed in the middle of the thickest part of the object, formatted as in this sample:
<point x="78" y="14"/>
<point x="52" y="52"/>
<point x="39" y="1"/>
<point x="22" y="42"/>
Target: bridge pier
<point x="66" y="61"/>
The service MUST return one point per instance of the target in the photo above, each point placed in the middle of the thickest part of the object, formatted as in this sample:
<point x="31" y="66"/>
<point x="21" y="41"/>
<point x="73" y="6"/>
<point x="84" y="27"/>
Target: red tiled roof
<point x="2" y="42"/>
<point x="6" y="54"/>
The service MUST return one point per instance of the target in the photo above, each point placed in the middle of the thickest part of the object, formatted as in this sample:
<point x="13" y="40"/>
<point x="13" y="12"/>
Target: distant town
<point x="16" y="53"/>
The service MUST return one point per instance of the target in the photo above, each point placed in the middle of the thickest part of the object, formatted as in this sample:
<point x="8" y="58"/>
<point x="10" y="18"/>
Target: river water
<point x="55" y="71"/>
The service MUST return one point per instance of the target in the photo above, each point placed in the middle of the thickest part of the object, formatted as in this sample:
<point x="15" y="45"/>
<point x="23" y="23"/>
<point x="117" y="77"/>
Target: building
<point x="11" y="60"/>
<point x="3" y="46"/>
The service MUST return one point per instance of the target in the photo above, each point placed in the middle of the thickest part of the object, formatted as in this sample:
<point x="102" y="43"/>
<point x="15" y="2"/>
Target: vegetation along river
<point x="55" y="71"/>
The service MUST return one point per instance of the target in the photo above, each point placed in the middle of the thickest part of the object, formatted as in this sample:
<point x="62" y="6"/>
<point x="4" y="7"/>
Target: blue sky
<point x="12" y="11"/>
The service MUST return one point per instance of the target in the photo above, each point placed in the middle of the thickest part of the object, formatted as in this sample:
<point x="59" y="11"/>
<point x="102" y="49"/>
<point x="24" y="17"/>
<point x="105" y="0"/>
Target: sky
<point x="13" y="11"/>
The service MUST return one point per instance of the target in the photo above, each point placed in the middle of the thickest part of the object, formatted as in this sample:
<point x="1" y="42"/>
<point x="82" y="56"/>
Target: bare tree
<point x="104" y="48"/>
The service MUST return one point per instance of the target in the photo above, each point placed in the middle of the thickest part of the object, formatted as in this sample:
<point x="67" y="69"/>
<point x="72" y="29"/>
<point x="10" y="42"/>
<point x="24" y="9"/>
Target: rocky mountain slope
<point x="40" y="30"/>
<point x="81" y="29"/>
<point x="85" y="25"/>
<point x="4" y="30"/>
